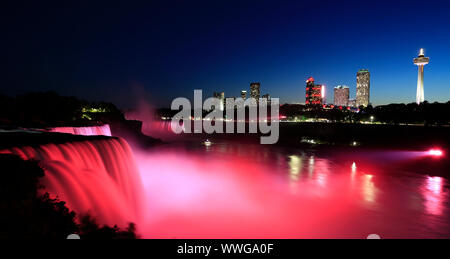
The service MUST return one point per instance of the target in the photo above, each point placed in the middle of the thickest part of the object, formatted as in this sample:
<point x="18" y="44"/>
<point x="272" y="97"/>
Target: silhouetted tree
<point x="91" y="230"/>
<point x="25" y="214"/>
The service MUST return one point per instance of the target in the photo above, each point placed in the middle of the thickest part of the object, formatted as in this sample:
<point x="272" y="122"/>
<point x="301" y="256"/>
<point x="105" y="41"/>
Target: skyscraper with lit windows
<point x="363" y="88"/>
<point x="255" y="90"/>
<point x="341" y="95"/>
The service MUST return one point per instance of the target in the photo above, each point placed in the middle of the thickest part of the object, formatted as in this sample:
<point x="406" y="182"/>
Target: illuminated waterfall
<point x="98" y="177"/>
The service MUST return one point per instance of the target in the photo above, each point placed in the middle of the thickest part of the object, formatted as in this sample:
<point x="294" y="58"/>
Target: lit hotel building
<point x="341" y="95"/>
<point x="314" y="93"/>
<point x="363" y="88"/>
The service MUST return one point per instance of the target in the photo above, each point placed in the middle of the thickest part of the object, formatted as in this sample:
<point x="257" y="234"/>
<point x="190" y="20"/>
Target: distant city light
<point x="435" y="152"/>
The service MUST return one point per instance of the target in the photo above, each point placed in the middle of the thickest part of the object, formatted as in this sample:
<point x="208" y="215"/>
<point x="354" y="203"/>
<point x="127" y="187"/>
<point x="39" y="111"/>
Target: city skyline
<point x="362" y="87"/>
<point x="167" y="50"/>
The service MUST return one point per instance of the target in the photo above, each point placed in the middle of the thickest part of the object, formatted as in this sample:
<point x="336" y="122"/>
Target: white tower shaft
<point x="420" y="89"/>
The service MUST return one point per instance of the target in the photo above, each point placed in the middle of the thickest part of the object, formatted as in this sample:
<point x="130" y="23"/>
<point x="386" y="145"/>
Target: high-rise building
<point x="314" y="93"/>
<point x="221" y="97"/>
<point x="363" y="88"/>
<point x="255" y="90"/>
<point x="244" y="94"/>
<point x="341" y="95"/>
<point x="421" y="61"/>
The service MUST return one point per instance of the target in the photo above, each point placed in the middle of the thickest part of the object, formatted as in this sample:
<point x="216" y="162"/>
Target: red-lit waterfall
<point x="98" y="177"/>
<point x="84" y="131"/>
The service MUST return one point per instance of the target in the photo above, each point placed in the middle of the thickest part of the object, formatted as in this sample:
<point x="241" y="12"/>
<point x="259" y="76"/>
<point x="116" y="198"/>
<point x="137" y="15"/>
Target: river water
<point x="242" y="190"/>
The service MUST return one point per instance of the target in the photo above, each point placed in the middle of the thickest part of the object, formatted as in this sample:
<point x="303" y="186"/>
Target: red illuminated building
<point x="314" y="93"/>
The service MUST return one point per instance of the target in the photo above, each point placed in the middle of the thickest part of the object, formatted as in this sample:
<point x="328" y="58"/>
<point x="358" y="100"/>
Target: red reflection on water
<point x="369" y="188"/>
<point x="244" y="191"/>
<point x="433" y="195"/>
<point x="227" y="196"/>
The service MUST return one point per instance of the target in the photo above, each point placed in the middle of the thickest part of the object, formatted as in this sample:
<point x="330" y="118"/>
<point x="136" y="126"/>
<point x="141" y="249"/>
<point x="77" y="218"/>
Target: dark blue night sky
<point x="115" y="51"/>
